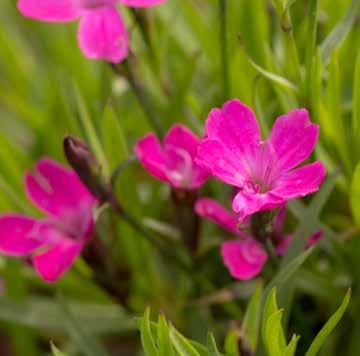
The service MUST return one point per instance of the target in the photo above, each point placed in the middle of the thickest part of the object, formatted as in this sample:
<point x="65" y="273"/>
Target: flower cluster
<point x="102" y="32"/>
<point x="265" y="173"/>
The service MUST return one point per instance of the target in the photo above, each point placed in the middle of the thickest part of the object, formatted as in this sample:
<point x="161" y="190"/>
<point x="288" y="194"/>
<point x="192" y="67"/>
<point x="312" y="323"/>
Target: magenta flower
<point x="246" y="257"/>
<point x="262" y="170"/>
<point x="52" y="243"/>
<point x="102" y="32"/>
<point x="173" y="162"/>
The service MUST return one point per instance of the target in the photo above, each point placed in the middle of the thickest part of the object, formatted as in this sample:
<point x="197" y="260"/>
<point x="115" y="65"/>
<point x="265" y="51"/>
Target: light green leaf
<point x="231" y="344"/>
<point x="113" y="138"/>
<point x="55" y="351"/>
<point x="356" y="109"/>
<point x="270" y="309"/>
<point x="250" y="324"/>
<point x="278" y="79"/>
<point x="291" y="348"/>
<point x="163" y="339"/>
<point x="211" y="345"/>
<point x="338" y="34"/>
<point x="147" y="339"/>
<point x="86" y="343"/>
<point x="181" y="344"/>
<point x="90" y="131"/>
<point x="287" y="271"/>
<point x="273" y="332"/>
<point x="355" y="195"/>
<point x="328" y="327"/>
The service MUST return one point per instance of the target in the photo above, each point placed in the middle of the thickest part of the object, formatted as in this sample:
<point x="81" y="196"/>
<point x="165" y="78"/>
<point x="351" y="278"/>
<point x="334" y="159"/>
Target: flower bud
<point x="87" y="167"/>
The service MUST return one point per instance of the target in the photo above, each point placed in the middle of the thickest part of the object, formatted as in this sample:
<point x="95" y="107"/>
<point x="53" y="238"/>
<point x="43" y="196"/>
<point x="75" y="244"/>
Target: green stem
<point x="127" y="71"/>
<point x="224" y="48"/>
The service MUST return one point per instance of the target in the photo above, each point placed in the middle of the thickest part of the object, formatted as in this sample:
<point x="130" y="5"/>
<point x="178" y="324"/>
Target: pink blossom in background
<point x="102" y="33"/>
<point x="245" y="257"/>
<point x="52" y="242"/>
<point x="173" y="161"/>
<point x="264" y="171"/>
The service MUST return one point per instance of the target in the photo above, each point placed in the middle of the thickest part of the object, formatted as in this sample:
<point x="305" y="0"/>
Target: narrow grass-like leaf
<point x="163" y="339"/>
<point x="113" y="138"/>
<point x="310" y="49"/>
<point x="278" y="79"/>
<point x="211" y="345"/>
<point x="90" y="131"/>
<point x="356" y="110"/>
<point x="231" y="344"/>
<point x="287" y="271"/>
<point x="355" y="195"/>
<point x="290" y="349"/>
<point x="55" y="351"/>
<point x="328" y="327"/>
<point x="147" y="339"/>
<point x="250" y="324"/>
<point x="86" y="343"/>
<point x="272" y="335"/>
<point x="181" y="344"/>
<point x="338" y="34"/>
<point x="270" y="309"/>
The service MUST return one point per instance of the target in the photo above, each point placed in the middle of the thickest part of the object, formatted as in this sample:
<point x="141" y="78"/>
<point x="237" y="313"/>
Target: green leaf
<point x="287" y="271"/>
<point x="163" y="341"/>
<point x="90" y="131"/>
<point x="147" y="339"/>
<point x="272" y="336"/>
<point x="181" y="344"/>
<point x="278" y="79"/>
<point x="355" y="195"/>
<point x="291" y="348"/>
<point x="338" y="34"/>
<point x="231" y="344"/>
<point x="269" y="312"/>
<point x="44" y="314"/>
<point x="86" y="343"/>
<point x="113" y="138"/>
<point x="250" y="324"/>
<point x="328" y="327"/>
<point x="55" y="351"/>
<point x="211" y="345"/>
<point x="356" y="109"/>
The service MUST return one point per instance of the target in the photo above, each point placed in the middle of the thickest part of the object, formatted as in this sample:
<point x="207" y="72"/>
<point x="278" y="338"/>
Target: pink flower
<point x="102" y="33"/>
<point x="55" y="241"/>
<point x="245" y="257"/>
<point x="173" y="162"/>
<point x="262" y="170"/>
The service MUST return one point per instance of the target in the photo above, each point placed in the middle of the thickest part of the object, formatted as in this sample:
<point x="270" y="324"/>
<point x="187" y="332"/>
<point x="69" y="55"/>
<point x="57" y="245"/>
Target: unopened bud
<point x="87" y="167"/>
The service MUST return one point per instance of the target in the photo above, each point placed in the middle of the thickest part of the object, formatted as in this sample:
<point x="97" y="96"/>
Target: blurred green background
<point x="189" y="58"/>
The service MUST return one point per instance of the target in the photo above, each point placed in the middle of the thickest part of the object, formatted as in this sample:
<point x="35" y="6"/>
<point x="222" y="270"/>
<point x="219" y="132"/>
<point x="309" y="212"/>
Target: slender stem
<point x="224" y="48"/>
<point x="127" y="71"/>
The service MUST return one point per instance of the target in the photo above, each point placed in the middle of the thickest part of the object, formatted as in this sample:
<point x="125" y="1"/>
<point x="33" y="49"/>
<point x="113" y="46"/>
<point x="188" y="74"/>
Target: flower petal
<point x="19" y="235"/>
<point x="244" y="259"/>
<point x="300" y="182"/>
<point x="151" y="156"/>
<point x="102" y="35"/>
<point x="220" y="162"/>
<point x="246" y="204"/>
<point x="181" y="137"/>
<point x="57" y="190"/>
<point x="215" y="212"/>
<point x="282" y="247"/>
<point x="142" y="3"/>
<point x="314" y="238"/>
<point x="52" y="264"/>
<point x="292" y="139"/>
<point x="49" y="10"/>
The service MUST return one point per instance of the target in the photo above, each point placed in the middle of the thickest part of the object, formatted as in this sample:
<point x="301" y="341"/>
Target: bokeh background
<point x="188" y="58"/>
